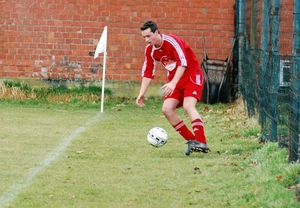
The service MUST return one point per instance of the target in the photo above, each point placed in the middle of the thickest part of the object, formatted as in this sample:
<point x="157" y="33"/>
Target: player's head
<point x="149" y="24"/>
<point x="151" y="33"/>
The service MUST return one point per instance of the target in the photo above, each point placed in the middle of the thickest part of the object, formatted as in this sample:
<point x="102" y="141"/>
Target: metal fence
<point x="267" y="63"/>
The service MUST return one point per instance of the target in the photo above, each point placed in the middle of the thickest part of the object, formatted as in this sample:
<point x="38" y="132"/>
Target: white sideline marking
<point x="16" y="188"/>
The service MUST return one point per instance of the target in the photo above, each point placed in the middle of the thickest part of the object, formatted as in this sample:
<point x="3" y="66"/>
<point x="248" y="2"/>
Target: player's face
<point x="150" y="37"/>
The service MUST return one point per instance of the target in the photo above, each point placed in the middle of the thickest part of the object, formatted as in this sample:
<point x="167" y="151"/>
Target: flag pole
<point x="103" y="81"/>
<point x="101" y="48"/>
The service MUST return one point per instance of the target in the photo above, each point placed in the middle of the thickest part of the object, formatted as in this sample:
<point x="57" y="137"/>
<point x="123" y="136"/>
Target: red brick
<point x="53" y="28"/>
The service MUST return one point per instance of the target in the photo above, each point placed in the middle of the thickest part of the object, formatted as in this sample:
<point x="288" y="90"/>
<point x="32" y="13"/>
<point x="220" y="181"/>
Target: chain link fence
<point x="267" y="64"/>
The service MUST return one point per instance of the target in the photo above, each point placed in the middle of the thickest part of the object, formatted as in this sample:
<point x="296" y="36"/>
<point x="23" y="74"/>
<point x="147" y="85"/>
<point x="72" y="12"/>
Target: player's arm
<point x="144" y="86"/>
<point x="179" y="72"/>
<point x="170" y="87"/>
<point x="147" y="74"/>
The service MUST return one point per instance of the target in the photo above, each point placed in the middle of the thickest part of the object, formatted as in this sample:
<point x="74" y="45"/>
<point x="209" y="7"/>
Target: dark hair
<point x="149" y="24"/>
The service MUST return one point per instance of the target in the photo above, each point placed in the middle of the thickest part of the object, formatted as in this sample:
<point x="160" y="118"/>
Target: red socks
<point x="182" y="129"/>
<point x="198" y="128"/>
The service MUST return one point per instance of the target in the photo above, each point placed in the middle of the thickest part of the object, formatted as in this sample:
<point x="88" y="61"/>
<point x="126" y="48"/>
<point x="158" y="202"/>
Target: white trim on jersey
<point x="177" y="47"/>
<point x="145" y="63"/>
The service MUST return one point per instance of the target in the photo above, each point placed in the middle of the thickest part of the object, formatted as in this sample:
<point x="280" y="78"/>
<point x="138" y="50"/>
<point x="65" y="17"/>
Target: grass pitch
<point x="107" y="161"/>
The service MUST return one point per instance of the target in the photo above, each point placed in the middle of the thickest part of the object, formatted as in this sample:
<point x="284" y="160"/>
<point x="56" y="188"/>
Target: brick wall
<point x="286" y="27"/>
<point x="55" y="39"/>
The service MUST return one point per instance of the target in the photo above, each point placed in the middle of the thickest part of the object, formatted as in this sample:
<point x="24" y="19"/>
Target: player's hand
<point x="140" y="101"/>
<point x="168" y="88"/>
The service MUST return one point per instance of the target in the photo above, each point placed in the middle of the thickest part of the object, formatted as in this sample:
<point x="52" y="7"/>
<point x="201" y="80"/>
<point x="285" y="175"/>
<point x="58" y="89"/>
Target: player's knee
<point x="164" y="110"/>
<point x="188" y="107"/>
<point x="167" y="111"/>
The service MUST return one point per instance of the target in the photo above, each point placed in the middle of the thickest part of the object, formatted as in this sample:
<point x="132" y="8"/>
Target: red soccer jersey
<point x="172" y="53"/>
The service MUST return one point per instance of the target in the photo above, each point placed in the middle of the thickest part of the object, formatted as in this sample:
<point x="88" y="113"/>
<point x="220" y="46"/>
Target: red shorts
<point x="190" y="87"/>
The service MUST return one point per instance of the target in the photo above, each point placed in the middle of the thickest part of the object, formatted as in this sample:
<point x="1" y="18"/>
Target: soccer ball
<point x="157" y="137"/>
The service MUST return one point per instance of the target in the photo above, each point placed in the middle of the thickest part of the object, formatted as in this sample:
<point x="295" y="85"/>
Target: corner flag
<point x="101" y="48"/>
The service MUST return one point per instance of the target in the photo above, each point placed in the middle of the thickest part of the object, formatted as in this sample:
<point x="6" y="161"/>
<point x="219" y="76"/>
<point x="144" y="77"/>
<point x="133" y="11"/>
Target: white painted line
<point x="16" y="188"/>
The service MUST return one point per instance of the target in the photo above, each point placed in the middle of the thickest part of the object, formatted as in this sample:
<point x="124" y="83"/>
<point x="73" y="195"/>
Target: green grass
<point x="19" y="91"/>
<point x="110" y="163"/>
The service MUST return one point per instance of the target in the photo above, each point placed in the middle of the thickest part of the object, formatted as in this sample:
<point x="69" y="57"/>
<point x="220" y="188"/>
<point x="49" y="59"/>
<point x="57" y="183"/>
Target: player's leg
<point x="169" y="110"/>
<point x="192" y="94"/>
<point x="189" y="105"/>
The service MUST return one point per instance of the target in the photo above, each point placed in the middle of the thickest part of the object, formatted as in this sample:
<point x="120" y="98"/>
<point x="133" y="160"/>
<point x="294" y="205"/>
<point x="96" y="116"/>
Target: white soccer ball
<point x="157" y="137"/>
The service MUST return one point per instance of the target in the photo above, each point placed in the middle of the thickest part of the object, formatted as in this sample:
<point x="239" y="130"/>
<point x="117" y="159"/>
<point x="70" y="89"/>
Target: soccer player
<point x="184" y="87"/>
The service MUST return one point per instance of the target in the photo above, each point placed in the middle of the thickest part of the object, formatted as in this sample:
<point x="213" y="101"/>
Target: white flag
<point x="101" y="47"/>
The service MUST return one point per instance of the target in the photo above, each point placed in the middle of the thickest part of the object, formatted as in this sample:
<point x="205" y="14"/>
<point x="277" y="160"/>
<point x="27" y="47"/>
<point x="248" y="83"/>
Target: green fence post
<point x="274" y="61"/>
<point x="264" y="69"/>
<point x="241" y="43"/>
<point x="252" y="60"/>
<point x="295" y="88"/>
